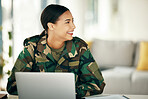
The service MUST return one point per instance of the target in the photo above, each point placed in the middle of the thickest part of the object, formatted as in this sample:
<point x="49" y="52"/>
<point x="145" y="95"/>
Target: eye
<point x="67" y="22"/>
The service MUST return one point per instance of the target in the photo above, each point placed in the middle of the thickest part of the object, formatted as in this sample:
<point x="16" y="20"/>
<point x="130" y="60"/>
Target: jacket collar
<point x="70" y="48"/>
<point x="43" y="47"/>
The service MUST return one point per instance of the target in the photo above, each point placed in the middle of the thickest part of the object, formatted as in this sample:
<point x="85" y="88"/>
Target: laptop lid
<point x="37" y="85"/>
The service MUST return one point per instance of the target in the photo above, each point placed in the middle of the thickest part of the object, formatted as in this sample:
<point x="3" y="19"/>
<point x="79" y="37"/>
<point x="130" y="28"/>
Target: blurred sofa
<point x="118" y="61"/>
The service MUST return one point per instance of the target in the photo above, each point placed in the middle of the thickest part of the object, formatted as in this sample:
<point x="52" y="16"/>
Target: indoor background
<point x="102" y="19"/>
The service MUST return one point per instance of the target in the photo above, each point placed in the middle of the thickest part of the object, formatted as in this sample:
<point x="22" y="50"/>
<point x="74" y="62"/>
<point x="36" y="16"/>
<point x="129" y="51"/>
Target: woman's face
<point x="64" y="27"/>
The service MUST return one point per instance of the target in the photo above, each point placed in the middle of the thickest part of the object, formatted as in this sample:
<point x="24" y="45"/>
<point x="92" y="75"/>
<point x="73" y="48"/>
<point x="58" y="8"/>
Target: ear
<point x="50" y="26"/>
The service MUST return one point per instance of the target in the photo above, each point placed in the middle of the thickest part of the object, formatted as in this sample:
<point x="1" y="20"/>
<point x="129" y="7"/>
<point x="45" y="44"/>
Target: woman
<point x="55" y="50"/>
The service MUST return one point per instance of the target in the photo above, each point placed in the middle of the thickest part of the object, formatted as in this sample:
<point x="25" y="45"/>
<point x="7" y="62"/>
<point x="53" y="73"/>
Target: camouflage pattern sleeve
<point x="23" y="63"/>
<point x="90" y="80"/>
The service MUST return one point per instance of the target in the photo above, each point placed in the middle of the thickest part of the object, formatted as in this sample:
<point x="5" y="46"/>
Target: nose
<point x="73" y="26"/>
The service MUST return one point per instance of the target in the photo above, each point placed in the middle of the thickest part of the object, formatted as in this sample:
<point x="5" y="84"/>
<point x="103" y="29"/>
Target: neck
<point x="53" y="42"/>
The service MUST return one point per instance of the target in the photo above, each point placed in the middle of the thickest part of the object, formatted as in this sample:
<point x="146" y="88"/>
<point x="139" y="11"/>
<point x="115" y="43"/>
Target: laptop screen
<point x="37" y="85"/>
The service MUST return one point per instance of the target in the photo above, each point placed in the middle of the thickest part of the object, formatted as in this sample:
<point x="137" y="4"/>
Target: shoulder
<point x="34" y="39"/>
<point x="79" y="41"/>
<point x="31" y="40"/>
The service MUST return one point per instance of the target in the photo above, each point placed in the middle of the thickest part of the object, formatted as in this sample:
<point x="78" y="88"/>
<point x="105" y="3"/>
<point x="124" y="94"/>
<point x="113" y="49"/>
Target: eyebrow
<point x="69" y="19"/>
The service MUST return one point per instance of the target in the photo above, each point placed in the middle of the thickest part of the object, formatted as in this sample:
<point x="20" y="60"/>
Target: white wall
<point x="134" y="19"/>
<point x="6" y="27"/>
<point x="26" y="22"/>
<point x="123" y="19"/>
<point x="104" y="19"/>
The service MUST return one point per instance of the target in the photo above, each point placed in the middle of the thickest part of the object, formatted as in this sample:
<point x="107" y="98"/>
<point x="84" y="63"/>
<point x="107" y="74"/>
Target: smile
<point x="70" y="33"/>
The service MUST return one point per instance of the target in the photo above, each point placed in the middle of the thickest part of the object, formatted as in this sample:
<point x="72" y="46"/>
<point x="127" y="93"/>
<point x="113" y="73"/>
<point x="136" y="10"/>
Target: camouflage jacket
<point x="76" y="58"/>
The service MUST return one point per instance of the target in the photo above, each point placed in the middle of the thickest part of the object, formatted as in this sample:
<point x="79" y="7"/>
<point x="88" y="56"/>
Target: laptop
<point x="37" y="85"/>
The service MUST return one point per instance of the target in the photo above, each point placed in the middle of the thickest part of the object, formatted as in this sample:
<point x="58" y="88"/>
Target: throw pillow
<point x="143" y="58"/>
<point x="89" y="44"/>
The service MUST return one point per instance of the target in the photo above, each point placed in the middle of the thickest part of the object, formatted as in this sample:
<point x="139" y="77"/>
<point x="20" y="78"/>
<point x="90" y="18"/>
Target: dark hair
<point x="51" y="14"/>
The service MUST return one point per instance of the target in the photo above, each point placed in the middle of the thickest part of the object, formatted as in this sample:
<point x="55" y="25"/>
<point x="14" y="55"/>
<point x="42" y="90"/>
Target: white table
<point x="129" y="96"/>
<point x="137" y="96"/>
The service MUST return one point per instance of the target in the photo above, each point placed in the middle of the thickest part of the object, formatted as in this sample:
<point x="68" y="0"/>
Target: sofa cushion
<point x="143" y="59"/>
<point x="118" y="80"/>
<point x="140" y="82"/>
<point x="113" y="53"/>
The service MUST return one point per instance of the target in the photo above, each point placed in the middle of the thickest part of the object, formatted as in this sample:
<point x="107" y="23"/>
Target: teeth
<point x="70" y="32"/>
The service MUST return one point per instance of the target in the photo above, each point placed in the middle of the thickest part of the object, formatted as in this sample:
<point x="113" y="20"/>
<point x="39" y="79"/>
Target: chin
<point x="70" y="38"/>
